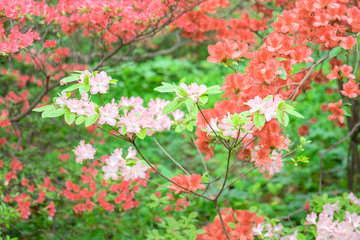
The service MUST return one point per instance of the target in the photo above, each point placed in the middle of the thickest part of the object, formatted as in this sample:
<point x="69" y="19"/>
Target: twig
<point x="221" y="219"/>
<point x="172" y="159"/>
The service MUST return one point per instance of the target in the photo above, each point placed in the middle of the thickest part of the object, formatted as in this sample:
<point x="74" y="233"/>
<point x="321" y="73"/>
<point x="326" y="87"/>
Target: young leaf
<point x="231" y="225"/>
<point x="142" y="133"/>
<point x="91" y="120"/>
<point x="172" y="106"/>
<point x="213" y="90"/>
<point x="166" y="87"/>
<point x="69" y="117"/>
<point x="335" y="51"/>
<point x="72" y="87"/>
<point x="80" y="120"/>
<point x="189" y="102"/>
<point x="56" y="113"/>
<point x="203" y="99"/>
<point x="295" y="113"/>
<point x="259" y="120"/>
<point x="43" y="108"/>
<point x="71" y="78"/>
<point x="283" y="73"/>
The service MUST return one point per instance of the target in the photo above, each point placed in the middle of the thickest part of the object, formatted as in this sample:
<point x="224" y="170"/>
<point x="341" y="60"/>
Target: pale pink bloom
<point x="99" y="83"/>
<point x="354" y="199"/>
<point x="193" y="91"/>
<point x="161" y="122"/>
<point x="270" y="108"/>
<point x="131" y="153"/>
<point x="62" y="99"/>
<point x="110" y="172"/>
<point x="89" y="109"/>
<point x="353" y="218"/>
<point x="311" y="219"/>
<point x="118" y="153"/>
<point x="256" y="104"/>
<point x="331" y="208"/>
<point x="131" y="122"/>
<point x="257" y="230"/>
<point x="109" y="113"/>
<point x="134" y="172"/>
<point x="133" y="102"/>
<point x="156" y="106"/>
<point x="83" y="152"/>
<point x="292" y="236"/>
<point x="178" y="115"/>
<point x="213" y="125"/>
<point x="274" y="166"/>
<point x="83" y="74"/>
<point x="269" y="232"/>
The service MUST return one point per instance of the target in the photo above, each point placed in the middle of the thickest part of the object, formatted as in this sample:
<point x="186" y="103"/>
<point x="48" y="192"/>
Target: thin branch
<point x="221" y="220"/>
<point x="204" y="164"/>
<point x="167" y="154"/>
<point x="162" y="175"/>
<point x="241" y="176"/>
<point x="211" y="127"/>
<point x="226" y="175"/>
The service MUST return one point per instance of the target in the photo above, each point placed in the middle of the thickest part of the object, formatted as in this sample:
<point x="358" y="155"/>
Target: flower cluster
<point x="239" y="224"/>
<point x="267" y="106"/>
<point x="130" y="168"/>
<point x="329" y="228"/>
<point x="83" y="151"/>
<point x="187" y="183"/>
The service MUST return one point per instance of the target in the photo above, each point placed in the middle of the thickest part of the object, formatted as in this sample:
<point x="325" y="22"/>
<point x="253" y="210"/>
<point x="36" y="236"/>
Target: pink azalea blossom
<point x="178" y="115"/>
<point x="83" y="152"/>
<point x="110" y="172"/>
<point x="193" y="91"/>
<point x="83" y="74"/>
<point x="134" y="172"/>
<point x="311" y="219"/>
<point x="99" y="83"/>
<point x="109" y="113"/>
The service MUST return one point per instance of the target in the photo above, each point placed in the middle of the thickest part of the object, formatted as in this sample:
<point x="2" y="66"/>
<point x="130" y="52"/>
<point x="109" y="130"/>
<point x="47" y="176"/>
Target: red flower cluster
<point x="187" y="183"/>
<point x="243" y="221"/>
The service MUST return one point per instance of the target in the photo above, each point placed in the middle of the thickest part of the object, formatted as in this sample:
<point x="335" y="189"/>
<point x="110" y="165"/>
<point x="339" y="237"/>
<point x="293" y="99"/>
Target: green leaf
<point x="46" y="112"/>
<point x="189" y="102"/>
<point x="43" y="108"/>
<point x="80" y="120"/>
<point x="283" y="74"/>
<point x="182" y="81"/>
<point x="91" y="120"/>
<point x="279" y="116"/>
<point x="347" y="111"/>
<point x="213" y="90"/>
<point x="286" y="119"/>
<point x="56" y="113"/>
<point x="203" y="99"/>
<point x="300" y="236"/>
<point x="69" y="117"/>
<point x="72" y="87"/>
<point x="142" y="133"/>
<point x="335" y="51"/>
<point x="259" y="120"/>
<point x="231" y="225"/>
<point x="84" y="88"/>
<point x="166" y="87"/>
<point x="295" y="113"/>
<point x="279" y="59"/>
<point x="172" y="106"/>
<point x="71" y="78"/>
<point x="193" y="215"/>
